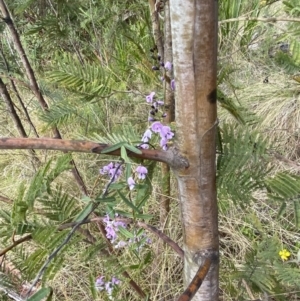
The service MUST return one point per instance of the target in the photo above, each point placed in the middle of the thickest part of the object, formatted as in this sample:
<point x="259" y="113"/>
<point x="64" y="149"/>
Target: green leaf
<point x="42" y="293"/>
<point x="84" y="213"/>
<point x="297" y="212"/>
<point x="281" y="209"/>
<point x="105" y="200"/>
<point x="133" y="149"/>
<point x="144" y="216"/>
<point x="127" y="202"/>
<point x="126" y="233"/>
<point x="124" y="154"/>
<point x="112" y="147"/>
<point x="128" y="171"/>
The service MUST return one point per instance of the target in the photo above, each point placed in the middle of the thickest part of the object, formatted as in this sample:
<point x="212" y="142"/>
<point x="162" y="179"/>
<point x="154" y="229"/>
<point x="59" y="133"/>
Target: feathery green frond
<point x="285" y="188"/>
<point x="83" y="78"/>
<point x="239" y="165"/>
<point x="58" y="206"/>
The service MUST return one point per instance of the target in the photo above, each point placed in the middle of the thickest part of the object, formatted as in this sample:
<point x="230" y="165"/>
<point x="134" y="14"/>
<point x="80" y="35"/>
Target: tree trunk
<point x="194" y="37"/>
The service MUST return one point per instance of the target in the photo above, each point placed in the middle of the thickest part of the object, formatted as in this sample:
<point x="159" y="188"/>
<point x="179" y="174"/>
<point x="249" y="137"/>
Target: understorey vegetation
<point x="137" y="152"/>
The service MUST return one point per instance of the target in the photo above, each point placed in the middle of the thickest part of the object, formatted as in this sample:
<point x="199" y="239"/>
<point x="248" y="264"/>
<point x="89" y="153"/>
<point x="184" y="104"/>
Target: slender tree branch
<point x="170" y="156"/>
<point x="164" y="237"/>
<point x="15" y="117"/>
<point x="195" y="284"/>
<point x="18" y="95"/>
<point x="15" y="243"/>
<point x="268" y="20"/>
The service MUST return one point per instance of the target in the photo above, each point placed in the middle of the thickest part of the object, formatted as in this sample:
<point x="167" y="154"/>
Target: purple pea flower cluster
<point x="109" y="286"/>
<point x="164" y="132"/>
<point x="157" y="127"/>
<point x="114" y="170"/>
<point x="141" y="172"/>
<point x="112" y="228"/>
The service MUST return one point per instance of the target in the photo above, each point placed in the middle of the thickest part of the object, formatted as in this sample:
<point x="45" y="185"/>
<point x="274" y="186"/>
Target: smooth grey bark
<point x="194" y="37"/>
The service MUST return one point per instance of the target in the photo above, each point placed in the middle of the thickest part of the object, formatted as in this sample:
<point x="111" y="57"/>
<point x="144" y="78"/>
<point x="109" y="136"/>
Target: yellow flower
<point x="284" y="254"/>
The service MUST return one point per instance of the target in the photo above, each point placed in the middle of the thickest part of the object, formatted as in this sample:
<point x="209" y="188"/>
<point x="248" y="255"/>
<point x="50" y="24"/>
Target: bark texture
<point x="194" y="37"/>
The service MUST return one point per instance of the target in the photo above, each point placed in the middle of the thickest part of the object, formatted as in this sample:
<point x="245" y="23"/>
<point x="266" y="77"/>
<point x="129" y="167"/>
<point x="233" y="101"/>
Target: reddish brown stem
<point x="164" y="237"/>
<point x="15" y="243"/>
<point x="88" y="147"/>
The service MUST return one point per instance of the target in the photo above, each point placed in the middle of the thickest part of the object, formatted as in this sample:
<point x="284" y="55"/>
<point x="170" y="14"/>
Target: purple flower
<point x="119" y="224"/>
<point x="160" y="102"/>
<point x="149" y="98"/>
<point x="109" y="288"/>
<point x="100" y="282"/>
<point x="106" y="168"/>
<point x="113" y="170"/>
<point x="163" y="143"/>
<point x="115" y="281"/>
<point x="142" y="172"/>
<point x="164" y="115"/>
<point x="131" y="183"/>
<point x="156" y="127"/>
<point x="165" y="132"/>
<point x="173" y="84"/>
<point x="168" y="66"/>
<point x="144" y="146"/>
<point x="112" y="227"/>
<point x="111" y="232"/>
<point x="147" y="136"/>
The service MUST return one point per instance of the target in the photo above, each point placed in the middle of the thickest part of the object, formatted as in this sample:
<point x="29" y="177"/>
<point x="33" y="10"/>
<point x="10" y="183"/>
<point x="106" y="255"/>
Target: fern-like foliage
<point x="285" y="188"/>
<point x="53" y="207"/>
<point x="83" y="78"/>
<point x="58" y="206"/>
<point x="264" y="271"/>
<point x="240" y="171"/>
<point x="126" y="134"/>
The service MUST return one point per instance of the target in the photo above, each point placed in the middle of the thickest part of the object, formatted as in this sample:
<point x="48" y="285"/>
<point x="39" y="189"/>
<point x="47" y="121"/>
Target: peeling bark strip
<point x="194" y="36"/>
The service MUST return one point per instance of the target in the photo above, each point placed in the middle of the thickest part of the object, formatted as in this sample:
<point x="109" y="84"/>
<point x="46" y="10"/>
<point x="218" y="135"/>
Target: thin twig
<point x="268" y="20"/>
<point x="15" y="243"/>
